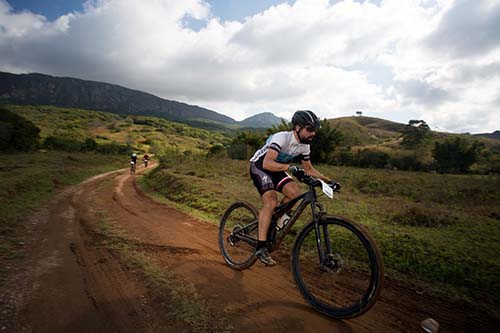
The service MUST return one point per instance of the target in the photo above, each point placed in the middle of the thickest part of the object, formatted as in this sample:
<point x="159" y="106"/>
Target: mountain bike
<point x="335" y="262"/>
<point x="132" y="167"/>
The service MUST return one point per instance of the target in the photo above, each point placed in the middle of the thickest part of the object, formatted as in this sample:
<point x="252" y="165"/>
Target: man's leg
<point x="290" y="190"/>
<point x="270" y="200"/>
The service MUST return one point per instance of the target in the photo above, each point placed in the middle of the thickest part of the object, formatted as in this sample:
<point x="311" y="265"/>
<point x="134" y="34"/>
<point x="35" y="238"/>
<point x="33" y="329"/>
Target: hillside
<point x="368" y="131"/>
<point x="495" y="135"/>
<point x="40" y="89"/>
<point x="361" y="131"/>
<point x="261" y="120"/>
<point x="143" y="134"/>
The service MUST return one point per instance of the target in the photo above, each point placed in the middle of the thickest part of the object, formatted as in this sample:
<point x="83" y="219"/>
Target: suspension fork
<point x="317" y="212"/>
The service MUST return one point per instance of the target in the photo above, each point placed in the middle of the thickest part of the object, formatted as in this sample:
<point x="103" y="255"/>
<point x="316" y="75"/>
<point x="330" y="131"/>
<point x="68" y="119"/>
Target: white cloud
<point x="313" y="54"/>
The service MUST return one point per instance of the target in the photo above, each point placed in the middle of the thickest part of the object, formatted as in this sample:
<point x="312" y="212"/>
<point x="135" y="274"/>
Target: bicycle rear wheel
<point x="348" y="281"/>
<point x="238" y="235"/>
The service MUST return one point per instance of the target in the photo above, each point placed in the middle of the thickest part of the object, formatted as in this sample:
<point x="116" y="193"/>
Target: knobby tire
<point x="240" y="215"/>
<point x="360" y="278"/>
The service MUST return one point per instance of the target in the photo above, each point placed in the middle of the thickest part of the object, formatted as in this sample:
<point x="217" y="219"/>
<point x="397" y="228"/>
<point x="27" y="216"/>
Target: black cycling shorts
<point x="265" y="180"/>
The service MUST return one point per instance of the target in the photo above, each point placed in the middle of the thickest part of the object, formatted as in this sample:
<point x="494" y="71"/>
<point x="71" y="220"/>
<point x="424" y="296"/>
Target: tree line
<point x="451" y="155"/>
<point x="19" y="134"/>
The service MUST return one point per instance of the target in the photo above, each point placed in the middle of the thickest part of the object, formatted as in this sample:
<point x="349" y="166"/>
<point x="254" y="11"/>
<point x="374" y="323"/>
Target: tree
<point x="327" y="139"/>
<point x="324" y="143"/>
<point x="455" y="155"/>
<point x="415" y="133"/>
<point x="244" y="144"/>
<point x="283" y="126"/>
<point x="17" y="133"/>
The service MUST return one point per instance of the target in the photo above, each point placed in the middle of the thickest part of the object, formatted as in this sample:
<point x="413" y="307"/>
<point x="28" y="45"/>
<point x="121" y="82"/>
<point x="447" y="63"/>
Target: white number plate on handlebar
<point x="326" y="189"/>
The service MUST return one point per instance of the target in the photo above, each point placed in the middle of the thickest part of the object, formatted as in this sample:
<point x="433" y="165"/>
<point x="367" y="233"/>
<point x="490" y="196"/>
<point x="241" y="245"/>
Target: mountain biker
<point x="268" y="168"/>
<point x="133" y="158"/>
<point x="145" y="159"/>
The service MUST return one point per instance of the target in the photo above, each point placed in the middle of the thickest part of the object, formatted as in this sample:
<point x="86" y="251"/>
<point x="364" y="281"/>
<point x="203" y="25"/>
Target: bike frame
<point x="308" y="198"/>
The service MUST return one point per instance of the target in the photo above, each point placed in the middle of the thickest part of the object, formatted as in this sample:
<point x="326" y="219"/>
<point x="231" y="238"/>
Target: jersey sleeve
<point x="278" y="140"/>
<point x="306" y="155"/>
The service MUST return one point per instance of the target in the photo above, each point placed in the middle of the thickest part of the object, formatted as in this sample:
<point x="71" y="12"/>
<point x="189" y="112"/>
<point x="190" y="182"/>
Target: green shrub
<point x="418" y="217"/>
<point x="373" y="186"/>
<point x="63" y="143"/>
<point x="16" y="132"/>
<point x="90" y="145"/>
<point x="245" y="144"/>
<point x="455" y="156"/>
<point x="72" y="145"/>
<point x="216" y="150"/>
<point x="344" y="156"/>
<point x="113" y="148"/>
<point x="240" y="151"/>
<point x="370" y="158"/>
<point x="405" y="162"/>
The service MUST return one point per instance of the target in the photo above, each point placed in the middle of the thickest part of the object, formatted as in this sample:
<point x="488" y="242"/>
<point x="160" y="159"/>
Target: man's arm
<point x="311" y="171"/>
<point x="270" y="163"/>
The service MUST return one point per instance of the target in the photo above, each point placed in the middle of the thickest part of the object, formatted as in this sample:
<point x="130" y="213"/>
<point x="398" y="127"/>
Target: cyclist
<point x="145" y="159"/>
<point x="268" y="168"/>
<point x="133" y="159"/>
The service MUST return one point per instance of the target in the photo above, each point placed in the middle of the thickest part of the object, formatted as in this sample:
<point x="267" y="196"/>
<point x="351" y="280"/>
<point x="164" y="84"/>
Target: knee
<point x="291" y="190"/>
<point x="271" y="203"/>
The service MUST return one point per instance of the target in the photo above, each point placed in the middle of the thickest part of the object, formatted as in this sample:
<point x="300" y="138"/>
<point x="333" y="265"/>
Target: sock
<point x="261" y="244"/>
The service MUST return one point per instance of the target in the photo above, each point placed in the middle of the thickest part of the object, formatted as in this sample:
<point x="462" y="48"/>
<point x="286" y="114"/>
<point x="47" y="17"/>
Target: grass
<point x="442" y="230"/>
<point x="180" y="297"/>
<point x="29" y="180"/>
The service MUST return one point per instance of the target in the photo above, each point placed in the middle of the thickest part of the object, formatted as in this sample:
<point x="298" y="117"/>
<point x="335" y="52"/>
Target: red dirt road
<point x="72" y="284"/>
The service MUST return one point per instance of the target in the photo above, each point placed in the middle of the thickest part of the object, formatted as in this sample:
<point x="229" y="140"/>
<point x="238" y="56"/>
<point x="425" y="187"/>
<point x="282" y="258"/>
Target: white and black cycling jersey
<point x="287" y="147"/>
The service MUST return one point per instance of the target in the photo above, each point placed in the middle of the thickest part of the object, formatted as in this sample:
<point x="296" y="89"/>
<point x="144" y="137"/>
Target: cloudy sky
<point x="436" y="60"/>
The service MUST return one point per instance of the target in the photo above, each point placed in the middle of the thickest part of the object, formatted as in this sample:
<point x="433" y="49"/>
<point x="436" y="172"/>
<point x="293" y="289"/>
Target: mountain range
<point x="494" y="135"/>
<point x="41" y="89"/>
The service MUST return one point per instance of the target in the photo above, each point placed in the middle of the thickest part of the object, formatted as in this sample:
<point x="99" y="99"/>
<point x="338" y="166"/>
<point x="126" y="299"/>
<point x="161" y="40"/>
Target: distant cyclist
<point x="268" y="166"/>
<point x="133" y="162"/>
<point x="145" y="159"/>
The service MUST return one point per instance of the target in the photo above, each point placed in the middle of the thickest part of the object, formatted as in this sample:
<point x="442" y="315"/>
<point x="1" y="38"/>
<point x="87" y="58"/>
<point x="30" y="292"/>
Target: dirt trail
<point x="76" y="286"/>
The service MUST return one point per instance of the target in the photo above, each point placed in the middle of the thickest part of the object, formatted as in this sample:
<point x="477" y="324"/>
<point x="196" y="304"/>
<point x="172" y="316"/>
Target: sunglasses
<point x="310" y="129"/>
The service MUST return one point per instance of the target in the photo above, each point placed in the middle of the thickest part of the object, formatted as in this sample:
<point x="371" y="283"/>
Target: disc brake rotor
<point x="333" y="263"/>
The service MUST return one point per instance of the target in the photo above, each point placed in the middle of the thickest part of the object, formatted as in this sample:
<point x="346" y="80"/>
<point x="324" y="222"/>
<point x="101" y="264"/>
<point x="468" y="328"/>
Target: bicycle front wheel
<point x="238" y="235"/>
<point x="347" y="281"/>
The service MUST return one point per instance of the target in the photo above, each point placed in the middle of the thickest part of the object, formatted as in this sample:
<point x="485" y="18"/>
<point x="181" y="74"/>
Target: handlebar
<point x="300" y="174"/>
<point x="311" y="181"/>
